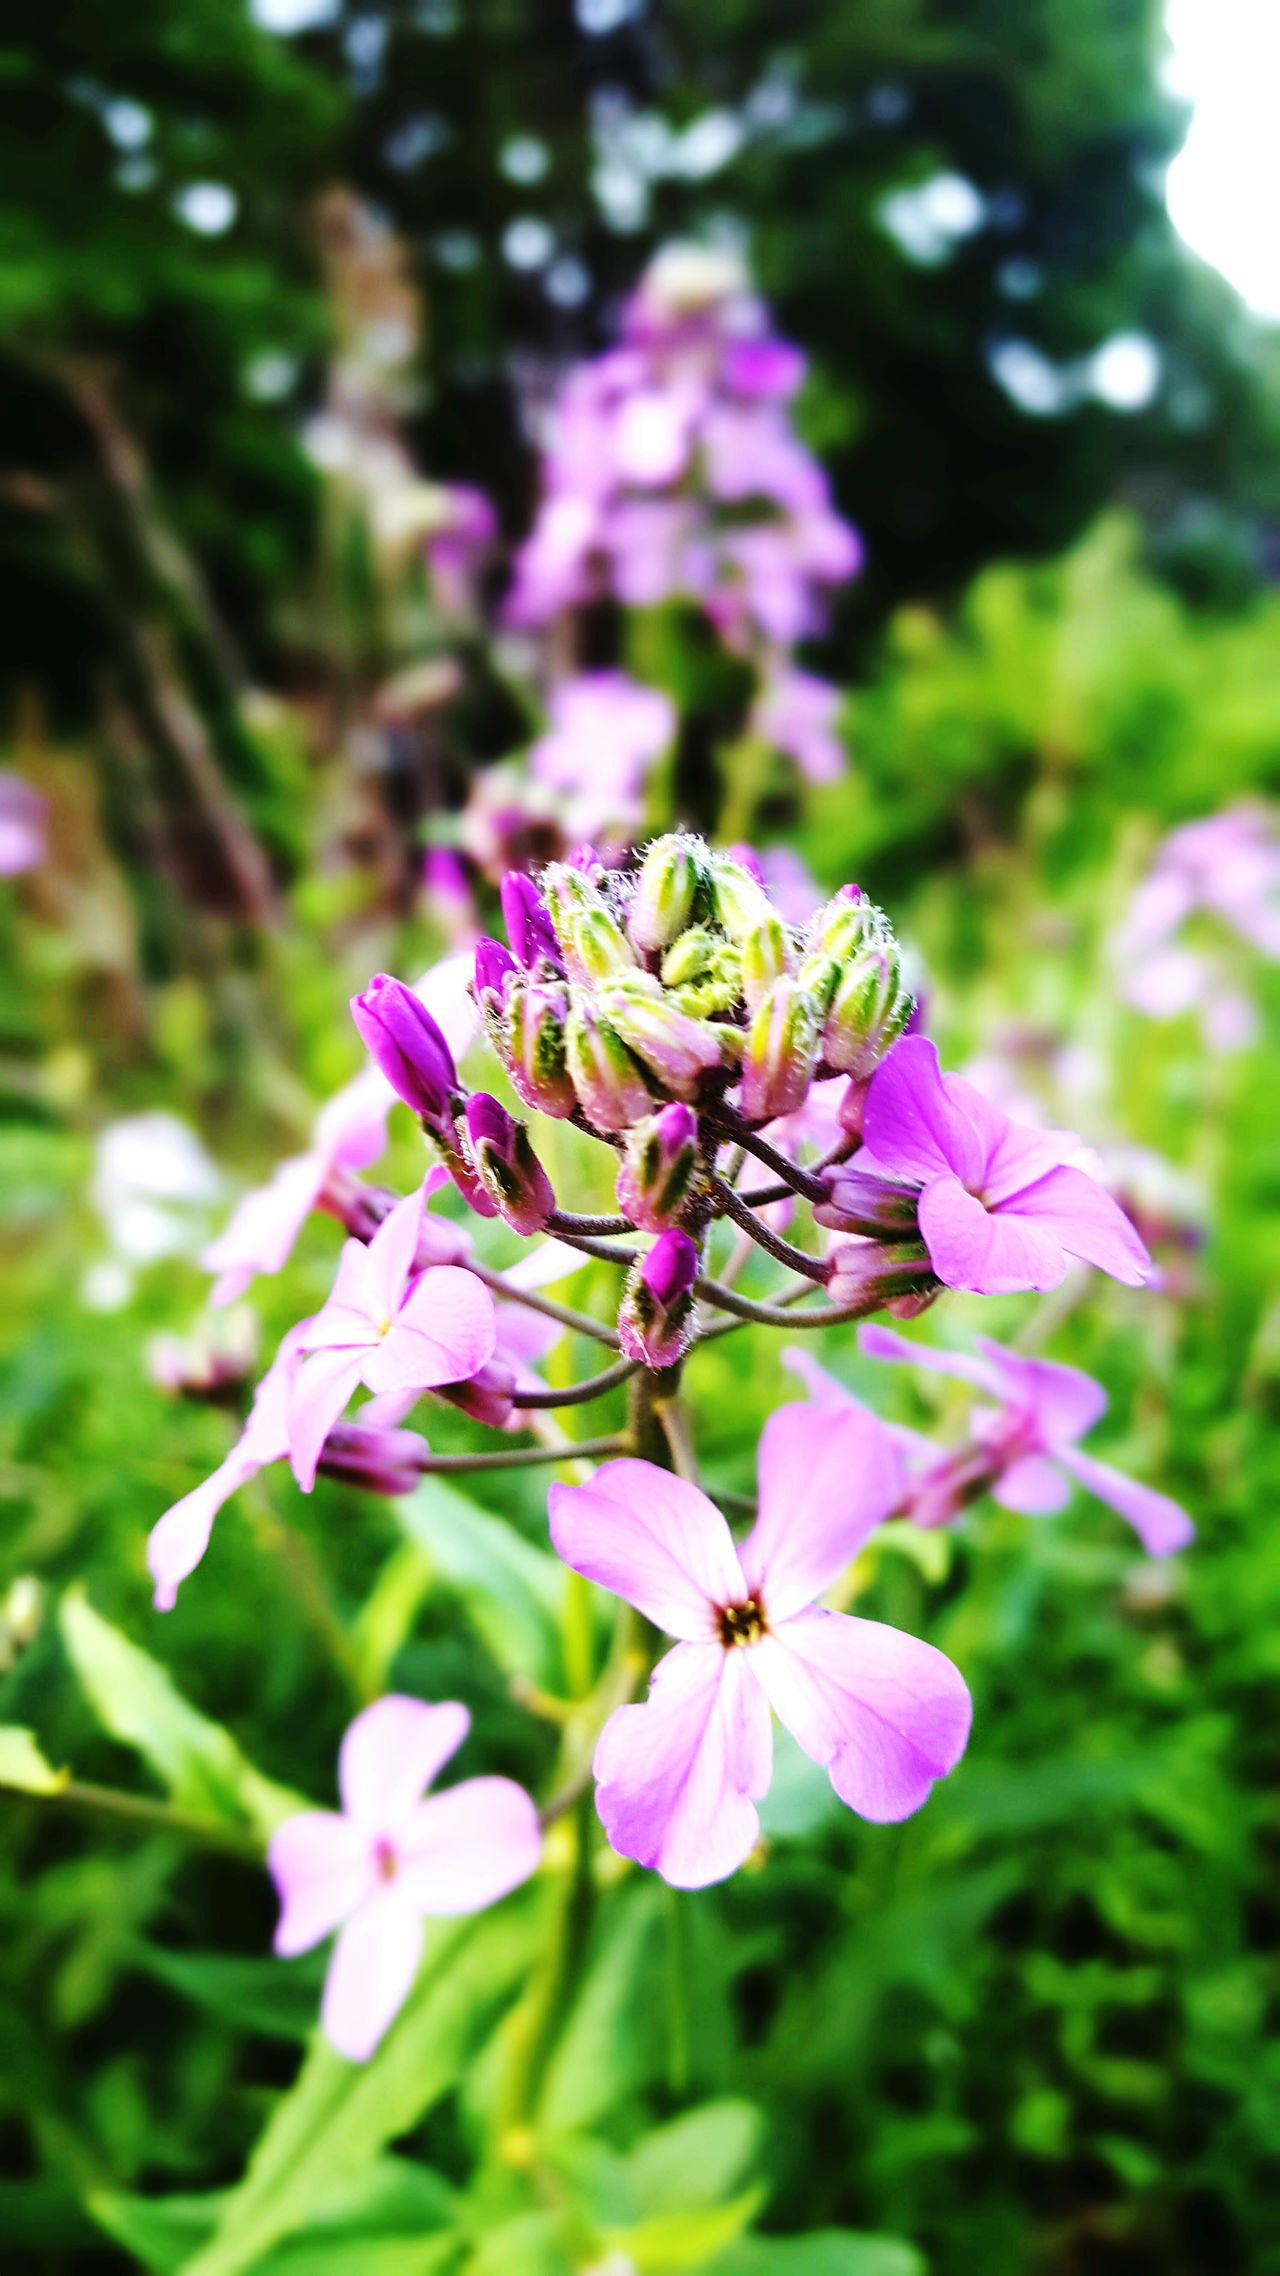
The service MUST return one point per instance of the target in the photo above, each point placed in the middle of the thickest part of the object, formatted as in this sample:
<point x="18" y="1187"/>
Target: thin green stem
<point x="142" y="1814"/>
<point x="578" y="1394"/>
<point x="524" y="1457"/>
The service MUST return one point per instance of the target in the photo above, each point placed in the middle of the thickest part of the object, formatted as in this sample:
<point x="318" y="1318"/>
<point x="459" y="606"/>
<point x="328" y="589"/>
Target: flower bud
<point x="846" y="923"/>
<point x="766" y="957"/>
<point x="529" y="927"/>
<point x="781" y="1053"/>
<point x="610" y="1087"/>
<point x="869" y="1275"/>
<point x="503" y="1158"/>
<point x="596" y="946"/>
<point x="486" y="1397"/>
<point x="870" y="1008"/>
<point x="863" y="1203"/>
<point x="656" y="1314"/>
<point x="405" y="1043"/>
<point x="678" y="1049"/>
<point x="659" y="1168"/>
<point x="703" y="972"/>
<point x="663" y="898"/>
<point x="567" y="891"/>
<point x="534" y="1052"/>
<point x="740" y="903"/>
<point x="382" y="1461"/>
<point x="494" y="966"/>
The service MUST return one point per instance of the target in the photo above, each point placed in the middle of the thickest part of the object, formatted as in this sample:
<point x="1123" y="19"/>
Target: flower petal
<point x="391" y="1753"/>
<point x="881" y="1343"/>
<point x="1032" y="1487"/>
<point x="1063" y="1402"/>
<point x="654" y="1540"/>
<point x="391" y="1254"/>
<point x="970" y="1247"/>
<point x="371" y="1973"/>
<point x="678" y="1776"/>
<point x="323" y="1871"/>
<point x="885" y="1713"/>
<point x="463" y="1849"/>
<point x="1160" y="1523"/>
<point x="444" y="1334"/>
<point x="911" y="1127"/>
<point x="827" y="1480"/>
<point x="178" y="1540"/>
<point x="1013" y="1153"/>
<point x="1074" y="1210"/>
<point x="262" y="1228"/>
<point x="825" y="1389"/>
<point x="321" y="1389"/>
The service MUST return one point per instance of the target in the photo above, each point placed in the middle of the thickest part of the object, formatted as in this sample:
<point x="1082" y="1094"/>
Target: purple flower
<point x="1031" y="1436"/>
<point x="392" y="1858"/>
<point x="606" y="732"/>
<point x="884" y="1713"/>
<point x="505" y="1163"/>
<point x="659" y="1167"/>
<point x="407" y="1045"/>
<point x="655" y="1315"/>
<point x="178" y="1540"/>
<point x="23" y="816"/>
<point x="389" y="1327"/>
<point x="529" y="927"/>
<point x="797" y="713"/>
<point x="494" y="965"/>
<point x="999" y="1207"/>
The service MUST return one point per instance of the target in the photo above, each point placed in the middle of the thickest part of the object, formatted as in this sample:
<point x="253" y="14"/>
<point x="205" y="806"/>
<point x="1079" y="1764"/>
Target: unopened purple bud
<point x="868" y="1275"/>
<point x="529" y="927"/>
<point x="659" y="1168"/>
<point x="382" y="1461"/>
<point x="781" y="1052"/>
<point x="503" y="1159"/>
<point x="405" y="1043"/>
<point x="494" y="965"/>
<point x="487" y="1397"/>
<point x="863" y="1203"/>
<point x="656" y="1315"/>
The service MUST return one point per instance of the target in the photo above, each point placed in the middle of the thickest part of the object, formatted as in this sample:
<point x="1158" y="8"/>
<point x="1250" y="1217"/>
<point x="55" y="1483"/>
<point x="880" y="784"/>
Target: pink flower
<point x="349" y="1133"/>
<point x="797" y="713"/>
<point x="999" y="1207"/>
<point x="391" y="1859"/>
<point x="606" y="732"/>
<point x="389" y="1327"/>
<point x="885" y="1713"/>
<point x="1032" y="1435"/>
<point x="23" y="815"/>
<point x="179" y="1539"/>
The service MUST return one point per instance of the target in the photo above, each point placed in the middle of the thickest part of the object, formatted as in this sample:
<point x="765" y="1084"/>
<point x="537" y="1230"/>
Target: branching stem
<point x="581" y="1323"/>
<point x="578" y="1394"/>
<point x="733" y="1206"/>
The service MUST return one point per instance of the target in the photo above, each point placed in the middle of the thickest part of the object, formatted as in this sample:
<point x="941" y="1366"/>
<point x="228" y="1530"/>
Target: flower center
<point x="743" y="1623"/>
<point x="385" y="1862"/>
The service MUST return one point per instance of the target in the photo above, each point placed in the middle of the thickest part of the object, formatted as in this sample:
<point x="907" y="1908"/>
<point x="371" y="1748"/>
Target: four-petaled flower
<point x="1032" y="1436"/>
<point x="391" y="1858"/>
<point x="1000" y="1207"/>
<point x="388" y="1327"/>
<point x="885" y="1713"/>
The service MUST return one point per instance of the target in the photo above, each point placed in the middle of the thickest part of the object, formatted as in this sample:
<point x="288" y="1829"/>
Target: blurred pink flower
<point x="606" y="732"/>
<point x="23" y="815"/>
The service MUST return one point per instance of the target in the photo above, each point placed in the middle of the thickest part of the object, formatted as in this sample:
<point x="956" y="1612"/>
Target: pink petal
<point x="1063" y="1402"/>
<point x="824" y="1389"/>
<point x="882" y="1343"/>
<point x="321" y="1390"/>
<point x="323" y="1871"/>
<point x="912" y="1127"/>
<point x="653" y="1540"/>
<point x="371" y="1973"/>
<point x="391" y="1254"/>
<point x="993" y="1255"/>
<point x="885" y="1713"/>
<point x="1073" y="1210"/>
<point x="391" y="1753"/>
<point x="351" y="1127"/>
<point x="1013" y="1153"/>
<point x="464" y="1849"/>
<point x="678" y="1776"/>
<point x="826" y="1481"/>
<point x="178" y="1540"/>
<point x="445" y="1333"/>
<point x="1159" y="1522"/>
<point x="1032" y="1487"/>
<point x="259" y="1235"/>
<point x="346" y="1319"/>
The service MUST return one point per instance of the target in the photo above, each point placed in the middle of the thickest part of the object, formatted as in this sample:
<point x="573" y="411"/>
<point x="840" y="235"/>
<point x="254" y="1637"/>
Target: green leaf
<point x="135" y="1699"/>
<point x="514" y="1593"/>
<point x="828" y="2252"/>
<point x="697" y="2159"/>
<point x="613" y="2038"/>
<point x="23" y="1767"/>
<point x="528" y="2246"/>
<point x="685" y="2240"/>
<point x="338" y="2116"/>
<point x="273" y="1997"/>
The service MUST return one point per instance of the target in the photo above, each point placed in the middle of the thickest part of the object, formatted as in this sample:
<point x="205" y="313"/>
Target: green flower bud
<point x="848" y="923"/>
<point x="703" y="972"/>
<point x="678" y="1048"/>
<point x="609" y="1082"/>
<point x="534" y="1051"/>
<point x="596" y="945"/>
<point x="660" y="906"/>
<point x="868" y="1012"/>
<point x="766" y="956"/>
<point x="740" y="904"/>
<point x="781" y="1052"/>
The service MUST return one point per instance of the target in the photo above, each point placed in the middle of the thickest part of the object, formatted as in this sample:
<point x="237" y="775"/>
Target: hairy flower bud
<point x="659" y="1168"/>
<point x="382" y="1461"/>
<point x="846" y="923"/>
<point x="610" y="1087"/>
<point x="781" y="1053"/>
<point x="529" y="927"/>
<point x="503" y="1159"/>
<point x="663" y="898"/>
<point x="405" y="1043"/>
<point x="678" y="1049"/>
<point x="766" y="957"/>
<point x="862" y="1203"/>
<point x="494" y="966"/>
<point x="534" y="1053"/>
<point x="703" y="972"/>
<point x="596" y="946"/>
<point x="486" y="1397"/>
<point x="656" y="1313"/>
<point x="869" y="1010"/>
<point x="868" y="1274"/>
<point x="740" y="903"/>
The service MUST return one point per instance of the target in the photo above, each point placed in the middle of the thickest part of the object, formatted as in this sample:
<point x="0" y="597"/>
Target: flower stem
<point x="562" y="1222"/>
<point x="793" y="1177"/>
<point x="145" y="1815"/>
<point x="814" y="1268"/>
<point x="581" y="1323"/>
<point x="578" y="1394"/>
<point x="522" y="1457"/>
